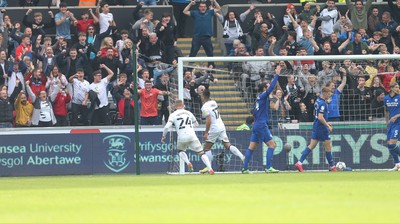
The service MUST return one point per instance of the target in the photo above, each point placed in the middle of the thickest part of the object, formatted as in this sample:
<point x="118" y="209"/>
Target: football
<point x="340" y="166"/>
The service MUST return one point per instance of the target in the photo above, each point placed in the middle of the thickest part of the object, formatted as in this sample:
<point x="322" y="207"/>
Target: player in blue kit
<point x="321" y="130"/>
<point x="392" y="113"/>
<point x="260" y="132"/>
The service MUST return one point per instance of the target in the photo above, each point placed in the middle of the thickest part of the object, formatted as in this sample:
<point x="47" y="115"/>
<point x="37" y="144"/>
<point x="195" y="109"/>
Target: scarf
<point x="238" y="28"/>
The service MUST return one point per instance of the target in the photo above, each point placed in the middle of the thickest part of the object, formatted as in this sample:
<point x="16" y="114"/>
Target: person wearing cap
<point x="38" y="25"/>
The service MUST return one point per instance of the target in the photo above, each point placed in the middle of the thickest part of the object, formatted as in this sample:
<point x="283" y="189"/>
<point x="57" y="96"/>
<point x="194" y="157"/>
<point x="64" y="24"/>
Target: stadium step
<point x="234" y="110"/>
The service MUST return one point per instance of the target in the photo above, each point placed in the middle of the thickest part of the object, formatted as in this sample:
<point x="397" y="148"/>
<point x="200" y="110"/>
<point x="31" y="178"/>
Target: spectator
<point x="290" y="9"/>
<point x="106" y="18"/>
<point x="38" y="25"/>
<point x="373" y="20"/>
<point x="166" y="32"/>
<point x="293" y="91"/>
<point x="63" y="21"/>
<point x="28" y="3"/>
<point x="6" y="110"/>
<point x="24" y="49"/>
<point x="54" y="79"/>
<point x="43" y="115"/>
<point x="280" y="108"/>
<point x="15" y="78"/>
<point x="148" y="2"/>
<point x="49" y="61"/>
<point x="83" y="24"/>
<point x="70" y="64"/>
<point x="79" y="105"/>
<point x="153" y="52"/>
<point x="120" y="86"/>
<point x="304" y="115"/>
<point x="202" y="31"/>
<point x="4" y="65"/>
<point x="125" y="107"/>
<point x="23" y="111"/>
<point x="356" y="48"/>
<point x="247" y="125"/>
<point x="144" y="23"/>
<point x="60" y="97"/>
<point x="37" y="82"/>
<point x="307" y="13"/>
<point x="377" y="105"/>
<point x="327" y="73"/>
<point x="387" y="22"/>
<point x="98" y="92"/>
<point x="395" y="9"/>
<point x="361" y="101"/>
<point x="163" y="100"/>
<point x="162" y="69"/>
<point x="338" y="27"/>
<point x="178" y="7"/>
<point x="149" y="102"/>
<point x="303" y="27"/>
<point x="232" y="27"/>
<point x="334" y="105"/>
<point x="358" y="13"/>
<point x="328" y="17"/>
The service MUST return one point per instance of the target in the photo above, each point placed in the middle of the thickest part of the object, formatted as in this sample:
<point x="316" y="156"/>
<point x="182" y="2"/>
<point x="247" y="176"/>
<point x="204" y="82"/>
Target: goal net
<point x="359" y="83"/>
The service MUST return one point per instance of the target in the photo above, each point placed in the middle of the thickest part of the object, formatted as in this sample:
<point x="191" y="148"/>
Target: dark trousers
<point x="100" y="116"/>
<point x="180" y="17"/>
<point x="204" y="41"/>
<point x="77" y="109"/>
<point x="149" y="120"/>
<point x="61" y="120"/>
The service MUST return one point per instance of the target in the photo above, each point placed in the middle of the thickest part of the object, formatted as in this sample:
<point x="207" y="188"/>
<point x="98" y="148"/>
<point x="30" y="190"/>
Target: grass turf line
<point x="312" y="197"/>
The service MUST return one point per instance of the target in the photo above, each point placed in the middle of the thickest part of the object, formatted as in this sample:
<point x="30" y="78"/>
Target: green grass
<point x="284" y="197"/>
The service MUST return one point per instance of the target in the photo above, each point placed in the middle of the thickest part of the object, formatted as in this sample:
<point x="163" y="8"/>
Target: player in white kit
<point x="215" y="128"/>
<point x="183" y="120"/>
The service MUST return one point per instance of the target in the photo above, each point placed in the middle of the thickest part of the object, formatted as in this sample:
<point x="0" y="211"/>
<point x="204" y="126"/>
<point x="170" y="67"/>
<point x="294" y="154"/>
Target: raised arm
<point x="109" y="71"/>
<point x="186" y="11"/>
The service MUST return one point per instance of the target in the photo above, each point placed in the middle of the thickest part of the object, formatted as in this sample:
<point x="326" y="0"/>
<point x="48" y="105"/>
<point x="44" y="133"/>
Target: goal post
<point x="358" y="141"/>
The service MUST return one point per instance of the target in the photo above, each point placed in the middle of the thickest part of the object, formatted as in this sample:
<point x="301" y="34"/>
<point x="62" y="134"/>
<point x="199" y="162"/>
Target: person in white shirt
<point x="99" y="87"/>
<point x="105" y="17"/>
<point x="79" y="100"/>
<point x="215" y="128"/>
<point x="184" y="120"/>
<point x="328" y="17"/>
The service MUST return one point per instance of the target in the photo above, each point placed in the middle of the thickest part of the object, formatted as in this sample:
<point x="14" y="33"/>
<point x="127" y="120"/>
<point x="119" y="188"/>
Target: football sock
<point x="184" y="157"/>
<point x="392" y="150"/>
<point x="329" y="158"/>
<point x="304" y="154"/>
<point x="206" y="161"/>
<point x="397" y="150"/>
<point x="247" y="158"/>
<point x="209" y="155"/>
<point x="236" y="151"/>
<point x="270" y="155"/>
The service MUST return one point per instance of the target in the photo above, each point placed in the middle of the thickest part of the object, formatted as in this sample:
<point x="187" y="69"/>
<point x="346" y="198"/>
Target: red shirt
<point x="149" y="102"/>
<point x="60" y="104"/>
<point x="81" y="26"/>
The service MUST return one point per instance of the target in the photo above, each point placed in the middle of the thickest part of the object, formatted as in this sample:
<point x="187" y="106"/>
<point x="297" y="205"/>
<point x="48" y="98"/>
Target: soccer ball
<point x="340" y="166"/>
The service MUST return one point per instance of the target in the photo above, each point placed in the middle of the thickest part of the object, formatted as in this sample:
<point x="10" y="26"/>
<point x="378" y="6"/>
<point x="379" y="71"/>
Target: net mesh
<point x="357" y="119"/>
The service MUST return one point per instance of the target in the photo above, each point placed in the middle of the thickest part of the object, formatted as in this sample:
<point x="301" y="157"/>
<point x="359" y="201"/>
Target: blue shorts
<point x="321" y="134"/>
<point x="393" y="131"/>
<point x="260" y="134"/>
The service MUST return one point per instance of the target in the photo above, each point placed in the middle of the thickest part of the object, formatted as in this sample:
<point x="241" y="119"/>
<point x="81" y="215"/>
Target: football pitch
<point x="284" y="197"/>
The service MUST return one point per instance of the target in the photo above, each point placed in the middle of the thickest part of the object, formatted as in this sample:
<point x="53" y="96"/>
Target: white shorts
<point x="214" y="136"/>
<point x="194" y="145"/>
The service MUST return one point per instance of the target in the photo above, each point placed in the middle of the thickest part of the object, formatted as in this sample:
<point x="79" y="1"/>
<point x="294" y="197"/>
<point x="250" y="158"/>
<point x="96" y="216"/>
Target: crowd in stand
<point x="67" y="79"/>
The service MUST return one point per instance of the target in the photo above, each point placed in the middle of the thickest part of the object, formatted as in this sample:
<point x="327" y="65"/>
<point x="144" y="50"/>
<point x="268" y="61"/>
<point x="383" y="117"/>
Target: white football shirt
<point x="184" y="121"/>
<point x="210" y="108"/>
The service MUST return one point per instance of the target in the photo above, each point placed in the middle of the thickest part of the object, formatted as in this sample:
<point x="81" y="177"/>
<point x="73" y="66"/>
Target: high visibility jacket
<point x="87" y="2"/>
<point x="312" y="1"/>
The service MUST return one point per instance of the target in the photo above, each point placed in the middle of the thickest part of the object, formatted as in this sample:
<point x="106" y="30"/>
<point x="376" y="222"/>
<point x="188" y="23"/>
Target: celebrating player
<point x="260" y="132"/>
<point x="183" y="121"/>
<point x="321" y="130"/>
<point x="392" y="113"/>
<point x="215" y="128"/>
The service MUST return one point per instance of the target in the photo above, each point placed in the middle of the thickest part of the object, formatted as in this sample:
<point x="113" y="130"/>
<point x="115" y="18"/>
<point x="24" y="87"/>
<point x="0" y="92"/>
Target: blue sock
<point x="304" y="154"/>
<point x="393" y="151"/>
<point x="247" y="157"/>
<point x="329" y="158"/>
<point x="397" y="150"/>
<point x="270" y="155"/>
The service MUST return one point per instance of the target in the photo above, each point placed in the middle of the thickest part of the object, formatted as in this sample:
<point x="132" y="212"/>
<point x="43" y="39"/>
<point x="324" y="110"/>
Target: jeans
<point x="204" y="41"/>
<point x="149" y="2"/>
